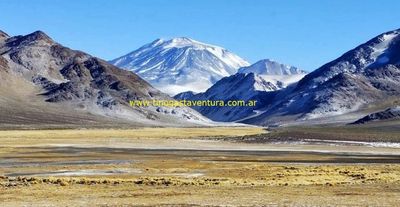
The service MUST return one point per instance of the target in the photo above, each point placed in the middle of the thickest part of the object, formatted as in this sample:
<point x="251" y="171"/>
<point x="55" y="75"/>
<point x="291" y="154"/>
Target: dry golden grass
<point x="178" y="173"/>
<point x="33" y="164"/>
<point x="236" y="184"/>
<point x="132" y="133"/>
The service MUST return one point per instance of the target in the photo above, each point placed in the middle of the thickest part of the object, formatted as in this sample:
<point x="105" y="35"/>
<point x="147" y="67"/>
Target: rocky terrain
<point x="362" y="78"/>
<point x="237" y="87"/>
<point x="187" y="95"/>
<point x="388" y="114"/>
<point x="45" y="82"/>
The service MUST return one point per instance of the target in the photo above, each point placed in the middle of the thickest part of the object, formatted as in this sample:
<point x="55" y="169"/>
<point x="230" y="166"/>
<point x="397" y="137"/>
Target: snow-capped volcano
<point x="279" y="74"/>
<point x="181" y="64"/>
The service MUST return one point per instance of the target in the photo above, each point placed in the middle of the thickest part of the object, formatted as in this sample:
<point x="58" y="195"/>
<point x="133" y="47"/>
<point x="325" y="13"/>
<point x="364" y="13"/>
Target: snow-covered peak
<point x="181" y="64"/>
<point x="182" y="42"/>
<point x="279" y="74"/>
<point x="179" y="42"/>
<point x="186" y="42"/>
<point x="271" y="67"/>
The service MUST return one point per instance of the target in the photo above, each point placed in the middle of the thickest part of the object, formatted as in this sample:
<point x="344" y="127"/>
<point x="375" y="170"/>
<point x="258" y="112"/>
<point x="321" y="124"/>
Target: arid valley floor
<point x="191" y="167"/>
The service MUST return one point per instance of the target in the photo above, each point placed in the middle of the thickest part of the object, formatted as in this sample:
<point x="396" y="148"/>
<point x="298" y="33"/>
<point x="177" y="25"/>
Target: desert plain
<point x="220" y="166"/>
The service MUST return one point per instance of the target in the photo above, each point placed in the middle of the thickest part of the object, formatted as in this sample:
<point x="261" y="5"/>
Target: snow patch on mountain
<point x="383" y="45"/>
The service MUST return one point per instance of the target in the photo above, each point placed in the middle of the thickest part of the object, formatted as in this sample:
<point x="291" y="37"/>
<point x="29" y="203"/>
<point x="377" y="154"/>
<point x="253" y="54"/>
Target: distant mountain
<point x="279" y="74"/>
<point x="366" y="76"/>
<point x="180" y="64"/>
<point x="235" y="88"/>
<point x="388" y="114"/>
<point x="42" y="81"/>
<point x="270" y="67"/>
<point x="258" y="82"/>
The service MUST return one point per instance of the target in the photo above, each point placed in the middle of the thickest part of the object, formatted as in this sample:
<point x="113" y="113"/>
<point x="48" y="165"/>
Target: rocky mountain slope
<point x="187" y="95"/>
<point x="238" y="87"/>
<point x="258" y="82"/>
<point x="388" y="114"/>
<point x="361" y="78"/>
<point x="43" y="81"/>
<point x="180" y="64"/>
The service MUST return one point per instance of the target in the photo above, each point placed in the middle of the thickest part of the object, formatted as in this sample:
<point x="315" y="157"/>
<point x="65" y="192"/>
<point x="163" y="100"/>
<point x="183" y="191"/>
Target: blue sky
<point x="304" y="33"/>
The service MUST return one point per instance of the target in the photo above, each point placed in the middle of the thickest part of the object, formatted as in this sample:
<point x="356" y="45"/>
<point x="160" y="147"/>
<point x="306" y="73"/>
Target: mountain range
<point x="364" y="79"/>
<point x="43" y="82"/>
<point x="180" y="64"/>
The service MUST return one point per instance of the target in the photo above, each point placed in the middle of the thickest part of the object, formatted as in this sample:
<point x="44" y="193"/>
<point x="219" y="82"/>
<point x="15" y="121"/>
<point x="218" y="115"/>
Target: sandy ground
<point x="152" y="167"/>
